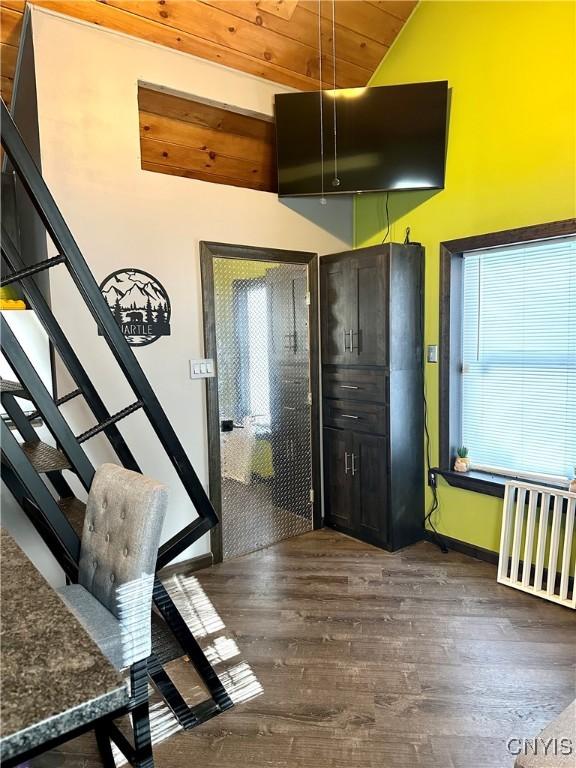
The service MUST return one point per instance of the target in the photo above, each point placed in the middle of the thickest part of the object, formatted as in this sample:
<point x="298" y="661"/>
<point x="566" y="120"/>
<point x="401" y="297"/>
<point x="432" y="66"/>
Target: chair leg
<point x="143" y="757"/>
<point x="105" y="747"/>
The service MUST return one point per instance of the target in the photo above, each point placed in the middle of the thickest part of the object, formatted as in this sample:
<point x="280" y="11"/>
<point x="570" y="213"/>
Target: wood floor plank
<point x="341" y="655"/>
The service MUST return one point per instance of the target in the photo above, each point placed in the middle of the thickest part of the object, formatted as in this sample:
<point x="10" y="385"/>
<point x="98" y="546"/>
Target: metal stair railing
<point x="35" y="299"/>
<point x="24" y="463"/>
<point x="66" y="246"/>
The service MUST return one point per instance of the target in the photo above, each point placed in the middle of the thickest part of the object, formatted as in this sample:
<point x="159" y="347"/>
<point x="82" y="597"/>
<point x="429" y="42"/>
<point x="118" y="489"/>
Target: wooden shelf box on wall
<point x="205" y="141"/>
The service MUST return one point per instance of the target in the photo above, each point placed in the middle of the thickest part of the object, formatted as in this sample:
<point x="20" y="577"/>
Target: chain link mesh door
<point x="263" y="367"/>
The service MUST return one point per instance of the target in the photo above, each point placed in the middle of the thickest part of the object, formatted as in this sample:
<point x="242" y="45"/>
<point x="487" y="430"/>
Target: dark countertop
<point x="54" y="677"/>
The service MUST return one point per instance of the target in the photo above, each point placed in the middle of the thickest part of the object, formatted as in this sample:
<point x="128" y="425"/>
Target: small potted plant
<point x="462" y="463"/>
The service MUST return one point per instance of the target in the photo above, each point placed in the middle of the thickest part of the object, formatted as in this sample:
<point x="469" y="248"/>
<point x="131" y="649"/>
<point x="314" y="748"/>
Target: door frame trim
<point x="208" y="252"/>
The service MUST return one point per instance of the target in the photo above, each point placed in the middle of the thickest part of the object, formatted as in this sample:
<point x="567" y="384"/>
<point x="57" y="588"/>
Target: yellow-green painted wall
<point x="511" y="158"/>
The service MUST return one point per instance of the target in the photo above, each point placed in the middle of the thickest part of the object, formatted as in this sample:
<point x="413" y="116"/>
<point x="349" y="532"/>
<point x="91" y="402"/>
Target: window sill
<point x="484" y="482"/>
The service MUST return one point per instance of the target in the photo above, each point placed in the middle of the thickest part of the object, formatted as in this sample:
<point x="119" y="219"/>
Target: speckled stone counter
<point x="54" y="678"/>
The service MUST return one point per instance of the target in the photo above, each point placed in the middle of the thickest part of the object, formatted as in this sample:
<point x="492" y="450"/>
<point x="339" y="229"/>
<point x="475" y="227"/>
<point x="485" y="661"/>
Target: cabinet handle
<point x="344" y="334"/>
<point x="353" y="464"/>
<point x="352" y="334"/>
<point x="346" y="467"/>
<point x="288" y="408"/>
<point x="348" y="386"/>
<point x="348" y="416"/>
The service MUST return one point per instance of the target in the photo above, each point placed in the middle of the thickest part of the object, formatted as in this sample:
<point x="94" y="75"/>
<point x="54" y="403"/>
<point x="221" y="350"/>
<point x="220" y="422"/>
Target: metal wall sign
<point x="139" y="304"/>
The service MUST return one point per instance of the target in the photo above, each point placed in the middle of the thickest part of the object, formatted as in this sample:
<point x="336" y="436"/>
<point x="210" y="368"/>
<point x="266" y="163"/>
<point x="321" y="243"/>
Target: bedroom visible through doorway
<point x="262" y="460"/>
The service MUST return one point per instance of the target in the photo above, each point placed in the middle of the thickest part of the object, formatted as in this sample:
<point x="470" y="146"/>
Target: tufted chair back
<point x="124" y="516"/>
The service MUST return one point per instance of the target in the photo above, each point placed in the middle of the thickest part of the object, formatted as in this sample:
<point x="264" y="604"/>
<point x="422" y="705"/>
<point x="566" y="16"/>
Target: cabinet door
<point x="369" y="469"/>
<point x="338" y="480"/>
<point x="335" y="311"/>
<point x="368" y="289"/>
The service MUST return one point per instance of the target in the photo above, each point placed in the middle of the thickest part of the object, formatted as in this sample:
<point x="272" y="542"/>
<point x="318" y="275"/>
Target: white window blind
<point x="519" y="357"/>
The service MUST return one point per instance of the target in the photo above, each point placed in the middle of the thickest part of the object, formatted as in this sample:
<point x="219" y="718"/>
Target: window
<point x="519" y="357"/>
<point x="508" y="353"/>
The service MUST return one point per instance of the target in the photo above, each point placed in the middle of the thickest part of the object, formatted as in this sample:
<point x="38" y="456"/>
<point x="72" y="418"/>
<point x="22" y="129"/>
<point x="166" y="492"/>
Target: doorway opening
<point x="261" y="329"/>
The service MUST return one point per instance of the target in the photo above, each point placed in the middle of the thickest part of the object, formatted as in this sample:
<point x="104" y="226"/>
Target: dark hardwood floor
<point x="341" y="655"/>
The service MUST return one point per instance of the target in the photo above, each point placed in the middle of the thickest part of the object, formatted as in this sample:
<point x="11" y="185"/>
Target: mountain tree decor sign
<point x="140" y="305"/>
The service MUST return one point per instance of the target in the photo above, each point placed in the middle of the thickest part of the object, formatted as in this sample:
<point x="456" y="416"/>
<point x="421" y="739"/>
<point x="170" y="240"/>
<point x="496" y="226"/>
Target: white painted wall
<point x="122" y="216"/>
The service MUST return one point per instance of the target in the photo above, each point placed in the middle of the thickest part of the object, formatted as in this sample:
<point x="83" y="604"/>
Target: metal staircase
<point x="33" y="470"/>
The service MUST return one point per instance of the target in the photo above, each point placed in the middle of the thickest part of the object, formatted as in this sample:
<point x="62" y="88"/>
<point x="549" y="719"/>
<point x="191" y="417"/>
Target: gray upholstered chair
<point x="113" y="598"/>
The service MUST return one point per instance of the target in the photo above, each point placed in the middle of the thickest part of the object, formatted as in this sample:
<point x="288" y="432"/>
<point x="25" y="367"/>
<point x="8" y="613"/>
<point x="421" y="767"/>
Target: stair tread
<point x="75" y="511"/>
<point x="12" y="388"/>
<point x="45" y="458"/>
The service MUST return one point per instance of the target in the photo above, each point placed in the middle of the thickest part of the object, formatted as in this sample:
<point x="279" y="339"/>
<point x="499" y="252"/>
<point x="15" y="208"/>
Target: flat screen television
<point x="386" y="138"/>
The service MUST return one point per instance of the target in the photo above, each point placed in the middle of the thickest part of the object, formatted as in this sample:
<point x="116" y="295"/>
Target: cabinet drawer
<point x="354" y="384"/>
<point x="359" y="417"/>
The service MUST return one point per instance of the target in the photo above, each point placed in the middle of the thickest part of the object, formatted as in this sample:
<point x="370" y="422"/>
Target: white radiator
<point x="537" y="542"/>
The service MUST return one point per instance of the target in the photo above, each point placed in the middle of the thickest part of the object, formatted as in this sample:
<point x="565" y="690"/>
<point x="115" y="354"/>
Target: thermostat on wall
<point x="202" y="369"/>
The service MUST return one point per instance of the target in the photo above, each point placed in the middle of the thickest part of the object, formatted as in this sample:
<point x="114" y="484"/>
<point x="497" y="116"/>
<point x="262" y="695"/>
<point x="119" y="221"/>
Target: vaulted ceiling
<point x="274" y="39"/>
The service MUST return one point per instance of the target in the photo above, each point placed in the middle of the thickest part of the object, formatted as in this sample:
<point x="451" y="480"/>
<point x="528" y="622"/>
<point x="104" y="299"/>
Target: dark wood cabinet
<point x="338" y="490"/>
<point x="369" y="475"/>
<point x="355" y="482"/>
<point x="335" y="315"/>
<point x="373" y="404"/>
<point x="367" y="287"/>
<point x="353" y="318"/>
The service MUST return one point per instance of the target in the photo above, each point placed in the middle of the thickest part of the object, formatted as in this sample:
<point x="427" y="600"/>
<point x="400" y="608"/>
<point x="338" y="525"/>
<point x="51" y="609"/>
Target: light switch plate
<point x="432" y="353"/>
<point x="202" y="369"/>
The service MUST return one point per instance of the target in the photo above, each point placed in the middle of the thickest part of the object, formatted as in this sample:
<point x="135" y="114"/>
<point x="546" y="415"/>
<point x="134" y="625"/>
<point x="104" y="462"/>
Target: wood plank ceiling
<point x="273" y="39"/>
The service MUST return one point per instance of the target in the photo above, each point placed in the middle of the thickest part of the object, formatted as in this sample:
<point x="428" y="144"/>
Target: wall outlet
<point x="202" y="369"/>
<point x="432" y="353"/>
